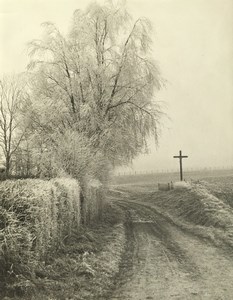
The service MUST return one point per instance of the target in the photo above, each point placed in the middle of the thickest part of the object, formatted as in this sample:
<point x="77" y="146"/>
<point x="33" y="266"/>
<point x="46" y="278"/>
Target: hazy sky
<point x="193" y="44"/>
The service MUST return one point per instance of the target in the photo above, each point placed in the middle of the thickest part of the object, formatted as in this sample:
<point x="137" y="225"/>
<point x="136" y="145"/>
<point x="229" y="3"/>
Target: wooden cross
<point x="180" y="158"/>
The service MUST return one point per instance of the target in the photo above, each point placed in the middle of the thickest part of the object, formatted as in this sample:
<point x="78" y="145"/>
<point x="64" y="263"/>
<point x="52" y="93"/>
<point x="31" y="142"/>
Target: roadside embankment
<point x="195" y="208"/>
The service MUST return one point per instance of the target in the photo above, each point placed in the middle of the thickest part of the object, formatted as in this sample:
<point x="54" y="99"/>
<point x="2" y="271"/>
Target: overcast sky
<point x="193" y="44"/>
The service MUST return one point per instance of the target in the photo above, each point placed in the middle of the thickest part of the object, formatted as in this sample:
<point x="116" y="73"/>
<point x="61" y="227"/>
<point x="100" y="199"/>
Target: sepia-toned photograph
<point x="116" y="149"/>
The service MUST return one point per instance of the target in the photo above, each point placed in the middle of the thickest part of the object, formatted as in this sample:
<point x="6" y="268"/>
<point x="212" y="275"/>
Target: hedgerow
<point x="94" y="200"/>
<point x="36" y="217"/>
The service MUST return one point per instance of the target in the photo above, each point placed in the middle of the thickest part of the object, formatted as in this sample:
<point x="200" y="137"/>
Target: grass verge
<point x="197" y="210"/>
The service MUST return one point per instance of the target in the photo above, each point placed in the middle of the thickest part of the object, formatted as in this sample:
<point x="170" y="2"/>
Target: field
<point x="217" y="180"/>
<point x="209" y="175"/>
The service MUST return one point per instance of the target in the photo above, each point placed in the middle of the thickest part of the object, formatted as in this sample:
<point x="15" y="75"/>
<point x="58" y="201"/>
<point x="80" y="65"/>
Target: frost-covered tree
<point x="99" y="80"/>
<point x="12" y="129"/>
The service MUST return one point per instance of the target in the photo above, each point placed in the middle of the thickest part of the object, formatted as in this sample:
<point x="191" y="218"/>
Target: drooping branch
<point x="102" y="75"/>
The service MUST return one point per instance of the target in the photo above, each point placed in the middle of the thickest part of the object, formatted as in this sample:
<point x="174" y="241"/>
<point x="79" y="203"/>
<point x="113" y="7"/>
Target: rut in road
<point x="164" y="262"/>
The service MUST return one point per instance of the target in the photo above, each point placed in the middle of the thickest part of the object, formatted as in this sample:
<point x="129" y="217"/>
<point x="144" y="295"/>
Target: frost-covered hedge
<point x="35" y="217"/>
<point x="94" y="200"/>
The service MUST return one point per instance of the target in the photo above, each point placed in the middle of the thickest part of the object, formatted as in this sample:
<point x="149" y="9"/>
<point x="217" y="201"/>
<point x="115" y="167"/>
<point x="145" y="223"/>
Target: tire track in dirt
<point x="163" y="262"/>
<point x="157" y="226"/>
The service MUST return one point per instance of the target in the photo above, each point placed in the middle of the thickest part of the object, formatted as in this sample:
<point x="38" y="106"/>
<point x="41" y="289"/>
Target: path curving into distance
<point x="164" y="262"/>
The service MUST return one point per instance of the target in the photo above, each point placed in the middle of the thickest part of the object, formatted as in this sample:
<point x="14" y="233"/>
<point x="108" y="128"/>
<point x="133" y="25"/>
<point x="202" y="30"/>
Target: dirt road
<point x="163" y="261"/>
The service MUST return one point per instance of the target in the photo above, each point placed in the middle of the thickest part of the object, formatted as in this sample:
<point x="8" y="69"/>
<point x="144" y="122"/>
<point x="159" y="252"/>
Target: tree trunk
<point x="8" y="163"/>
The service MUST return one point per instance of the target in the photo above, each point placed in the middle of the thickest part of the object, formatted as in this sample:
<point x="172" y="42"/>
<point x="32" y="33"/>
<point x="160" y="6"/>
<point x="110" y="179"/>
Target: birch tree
<point x="102" y="77"/>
